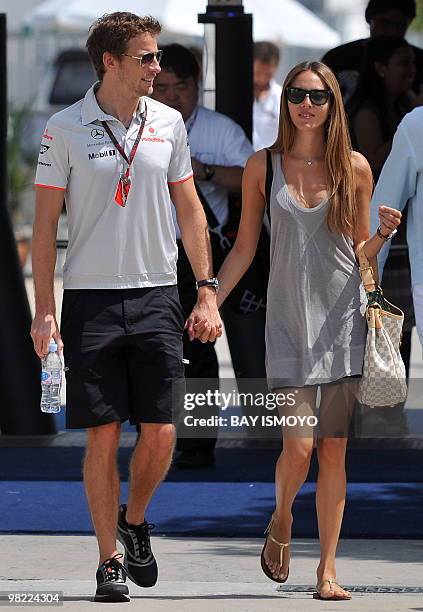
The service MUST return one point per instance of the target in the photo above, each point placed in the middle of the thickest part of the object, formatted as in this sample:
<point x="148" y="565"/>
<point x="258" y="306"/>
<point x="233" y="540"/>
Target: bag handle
<point x="369" y="276"/>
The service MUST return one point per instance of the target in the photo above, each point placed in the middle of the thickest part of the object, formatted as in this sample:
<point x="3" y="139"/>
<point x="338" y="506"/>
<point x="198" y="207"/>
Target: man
<point x="219" y="150"/>
<point x="401" y="181"/>
<point x="385" y="18"/>
<point x="121" y="320"/>
<point x="267" y="95"/>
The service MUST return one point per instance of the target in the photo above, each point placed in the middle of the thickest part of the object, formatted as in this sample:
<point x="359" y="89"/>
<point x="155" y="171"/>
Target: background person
<point x="267" y="94"/>
<point x="121" y="323"/>
<point x="385" y="18"/>
<point x="383" y="97"/>
<point x="315" y="332"/>
<point x="219" y="151"/>
<point x="401" y="181"/>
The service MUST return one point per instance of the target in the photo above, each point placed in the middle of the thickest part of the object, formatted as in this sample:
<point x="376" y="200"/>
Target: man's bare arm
<point x="49" y="204"/>
<point x="196" y="240"/>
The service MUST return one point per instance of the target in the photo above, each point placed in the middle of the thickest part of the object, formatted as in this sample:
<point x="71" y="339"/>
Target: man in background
<point x="267" y="95"/>
<point x="400" y="182"/>
<point x="219" y="151"/>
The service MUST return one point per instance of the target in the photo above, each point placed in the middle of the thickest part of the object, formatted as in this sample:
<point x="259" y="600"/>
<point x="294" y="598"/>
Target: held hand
<point x="389" y="219"/>
<point x="204" y="322"/>
<point x="43" y="328"/>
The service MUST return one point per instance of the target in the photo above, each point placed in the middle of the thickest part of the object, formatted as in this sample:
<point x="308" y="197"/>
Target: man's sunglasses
<point x="147" y="58"/>
<point x="296" y="95"/>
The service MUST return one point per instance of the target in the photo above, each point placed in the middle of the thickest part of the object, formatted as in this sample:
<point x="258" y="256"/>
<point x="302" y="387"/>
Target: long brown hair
<point x="342" y="216"/>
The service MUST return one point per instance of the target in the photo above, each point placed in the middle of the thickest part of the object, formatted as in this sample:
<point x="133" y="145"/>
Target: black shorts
<point x="123" y="355"/>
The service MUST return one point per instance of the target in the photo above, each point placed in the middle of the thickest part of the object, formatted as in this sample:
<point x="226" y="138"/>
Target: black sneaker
<point x="111" y="579"/>
<point x="139" y="562"/>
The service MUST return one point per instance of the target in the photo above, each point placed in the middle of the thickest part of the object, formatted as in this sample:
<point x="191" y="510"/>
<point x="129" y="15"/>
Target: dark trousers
<point x="202" y="358"/>
<point x="245" y="335"/>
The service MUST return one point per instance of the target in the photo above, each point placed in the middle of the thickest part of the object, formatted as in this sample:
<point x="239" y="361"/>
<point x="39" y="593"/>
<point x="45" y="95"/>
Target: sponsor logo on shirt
<point x="97" y="133"/>
<point x="152" y="139"/>
<point x="40" y="163"/>
<point x="152" y="136"/>
<point x="47" y="136"/>
<point x="44" y="148"/>
<point x="98" y="144"/>
<point x="100" y="154"/>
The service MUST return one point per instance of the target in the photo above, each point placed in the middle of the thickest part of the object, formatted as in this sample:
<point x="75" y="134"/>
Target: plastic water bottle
<point x="51" y="380"/>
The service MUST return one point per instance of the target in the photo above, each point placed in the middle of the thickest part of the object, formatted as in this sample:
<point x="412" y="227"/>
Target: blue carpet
<point x="232" y="465"/>
<point x="227" y="509"/>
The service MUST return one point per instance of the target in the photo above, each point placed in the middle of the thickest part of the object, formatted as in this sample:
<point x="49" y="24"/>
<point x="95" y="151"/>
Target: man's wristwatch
<point x="208" y="172"/>
<point x="208" y="282"/>
<point x="385" y="238"/>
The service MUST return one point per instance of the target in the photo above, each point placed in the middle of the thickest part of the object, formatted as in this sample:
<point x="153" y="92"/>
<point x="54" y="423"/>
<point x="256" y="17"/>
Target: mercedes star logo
<point x="97" y="133"/>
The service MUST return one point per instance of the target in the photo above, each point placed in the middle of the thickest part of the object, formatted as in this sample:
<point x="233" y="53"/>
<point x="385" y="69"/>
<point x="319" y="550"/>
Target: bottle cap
<point x="52" y="347"/>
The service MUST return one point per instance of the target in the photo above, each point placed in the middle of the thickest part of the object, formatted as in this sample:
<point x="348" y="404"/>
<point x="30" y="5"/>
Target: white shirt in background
<point x="215" y="139"/>
<point x="266" y="117"/>
<point x="400" y="181"/>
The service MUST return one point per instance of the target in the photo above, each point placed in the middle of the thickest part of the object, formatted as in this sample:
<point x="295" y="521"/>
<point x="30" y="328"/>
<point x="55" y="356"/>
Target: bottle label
<point x="46" y="377"/>
<point x="51" y="377"/>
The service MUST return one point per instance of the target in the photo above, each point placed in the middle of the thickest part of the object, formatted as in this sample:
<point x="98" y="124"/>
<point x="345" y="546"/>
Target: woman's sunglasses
<point x="296" y="95"/>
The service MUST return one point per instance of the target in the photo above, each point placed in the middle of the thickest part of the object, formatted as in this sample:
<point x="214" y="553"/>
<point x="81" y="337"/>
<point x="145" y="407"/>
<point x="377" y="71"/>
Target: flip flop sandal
<point x="282" y="547"/>
<point x="332" y="598"/>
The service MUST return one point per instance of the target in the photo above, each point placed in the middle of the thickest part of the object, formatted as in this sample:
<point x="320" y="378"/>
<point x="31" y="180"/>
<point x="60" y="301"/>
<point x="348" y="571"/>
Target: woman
<point x="383" y="97"/>
<point x="315" y="332"/>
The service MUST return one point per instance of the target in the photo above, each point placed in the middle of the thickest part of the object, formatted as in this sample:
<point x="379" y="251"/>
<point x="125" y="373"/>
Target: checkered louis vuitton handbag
<point x="384" y="381"/>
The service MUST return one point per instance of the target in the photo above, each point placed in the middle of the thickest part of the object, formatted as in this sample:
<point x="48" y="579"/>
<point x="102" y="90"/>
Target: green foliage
<point x="417" y="24"/>
<point x="20" y="167"/>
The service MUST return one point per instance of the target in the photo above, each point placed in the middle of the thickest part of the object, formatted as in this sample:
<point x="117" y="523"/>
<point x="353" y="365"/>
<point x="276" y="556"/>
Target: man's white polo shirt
<point x="111" y="247"/>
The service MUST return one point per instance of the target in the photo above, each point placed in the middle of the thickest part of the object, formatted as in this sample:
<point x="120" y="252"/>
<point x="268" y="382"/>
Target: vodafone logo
<point x="151" y="136"/>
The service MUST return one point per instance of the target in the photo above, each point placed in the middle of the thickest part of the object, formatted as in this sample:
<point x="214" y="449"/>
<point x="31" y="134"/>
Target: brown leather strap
<point x="366" y="269"/>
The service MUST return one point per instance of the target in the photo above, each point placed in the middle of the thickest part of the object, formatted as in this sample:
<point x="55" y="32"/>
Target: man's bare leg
<point x="101" y="479"/>
<point x="149" y="465"/>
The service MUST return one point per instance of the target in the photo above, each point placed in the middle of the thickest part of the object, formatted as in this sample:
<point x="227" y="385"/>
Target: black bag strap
<point x="212" y="221"/>
<point x="269" y="181"/>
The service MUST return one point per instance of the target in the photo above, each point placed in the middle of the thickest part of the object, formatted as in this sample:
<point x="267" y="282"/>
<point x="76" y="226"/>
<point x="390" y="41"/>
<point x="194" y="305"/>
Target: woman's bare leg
<point x="291" y="471"/>
<point x="335" y="413"/>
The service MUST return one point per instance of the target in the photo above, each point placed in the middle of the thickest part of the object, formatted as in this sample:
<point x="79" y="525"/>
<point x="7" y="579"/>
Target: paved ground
<point x="219" y="574"/>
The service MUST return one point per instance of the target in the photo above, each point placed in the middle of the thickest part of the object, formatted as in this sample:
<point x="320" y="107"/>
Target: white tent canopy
<point x="282" y="21"/>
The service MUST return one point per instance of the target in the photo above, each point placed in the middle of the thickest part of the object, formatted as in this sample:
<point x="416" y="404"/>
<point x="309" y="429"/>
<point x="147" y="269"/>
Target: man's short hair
<point x="266" y="52"/>
<point x="180" y="60"/>
<point x="112" y="33"/>
<point x="375" y="7"/>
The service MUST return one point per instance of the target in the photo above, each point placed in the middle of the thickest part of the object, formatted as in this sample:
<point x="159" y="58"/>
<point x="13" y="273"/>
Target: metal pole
<point x="233" y="56"/>
<point x="19" y="366"/>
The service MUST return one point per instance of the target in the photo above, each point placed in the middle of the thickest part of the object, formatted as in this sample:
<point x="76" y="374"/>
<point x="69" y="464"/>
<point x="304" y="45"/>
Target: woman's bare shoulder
<point x="361" y="168"/>
<point x="257" y="161"/>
